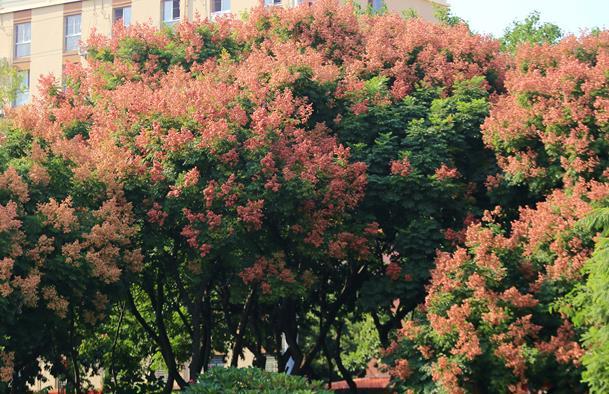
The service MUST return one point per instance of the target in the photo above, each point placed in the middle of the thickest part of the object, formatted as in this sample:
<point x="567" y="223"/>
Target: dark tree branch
<point x="168" y="354"/>
<point x="346" y="374"/>
<point x="189" y="328"/>
<point x="207" y="332"/>
<point x="140" y="319"/>
<point x="348" y="291"/>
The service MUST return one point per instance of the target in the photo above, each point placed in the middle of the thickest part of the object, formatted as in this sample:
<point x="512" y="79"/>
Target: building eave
<point x="7" y="6"/>
<point x="443" y="3"/>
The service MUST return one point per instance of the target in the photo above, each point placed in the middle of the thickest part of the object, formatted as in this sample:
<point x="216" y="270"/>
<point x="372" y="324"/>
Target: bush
<point x="249" y="380"/>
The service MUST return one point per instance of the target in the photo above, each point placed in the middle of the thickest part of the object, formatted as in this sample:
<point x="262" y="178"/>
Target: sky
<point x="493" y="16"/>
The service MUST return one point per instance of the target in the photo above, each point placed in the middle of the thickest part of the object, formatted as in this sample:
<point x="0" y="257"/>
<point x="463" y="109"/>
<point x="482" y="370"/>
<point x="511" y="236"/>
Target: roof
<point x="7" y="6"/>
<point x="368" y="383"/>
<point x="374" y="380"/>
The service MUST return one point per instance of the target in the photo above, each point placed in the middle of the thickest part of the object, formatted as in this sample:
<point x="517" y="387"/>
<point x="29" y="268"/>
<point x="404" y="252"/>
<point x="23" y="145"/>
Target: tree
<point x="491" y="319"/>
<point x="65" y="246"/>
<point x="497" y="315"/>
<point x="549" y="131"/>
<point x="9" y="84"/>
<point x="530" y="31"/>
<point x="444" y="15"/>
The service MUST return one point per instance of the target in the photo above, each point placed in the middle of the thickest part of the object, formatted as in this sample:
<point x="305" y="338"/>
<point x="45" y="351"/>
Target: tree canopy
<point x="530" y="31"/>
<point x="498" y="314"/>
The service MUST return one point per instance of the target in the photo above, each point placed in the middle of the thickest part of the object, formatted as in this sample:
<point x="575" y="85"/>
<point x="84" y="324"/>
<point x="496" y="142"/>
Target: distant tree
<point x="117" y="351"/>
<point x="531" y="30"/>
<point x="410" y="13"/>
<point x="9" y="83"/>
<point x="445" y="16"/>
<point x="361" y="343"/>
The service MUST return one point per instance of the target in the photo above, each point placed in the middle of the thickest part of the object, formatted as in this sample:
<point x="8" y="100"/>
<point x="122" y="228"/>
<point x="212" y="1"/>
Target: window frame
<point x="173" y="8"/>
<point x="26" y="43"/>
<point x="223" y="9"/>
<point x="23" y="95"/>
<point x="213" y="361"/>
<point x="122" y="17"/>
<point x="69" y="36"/>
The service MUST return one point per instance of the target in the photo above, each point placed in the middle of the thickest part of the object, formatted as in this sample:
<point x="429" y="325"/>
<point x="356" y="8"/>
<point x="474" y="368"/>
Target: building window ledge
<point x="219" y="14"/>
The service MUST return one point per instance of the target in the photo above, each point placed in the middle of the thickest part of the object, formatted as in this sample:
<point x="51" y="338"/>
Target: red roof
<point x="373" y="381"/>
<point x="381" y="382"/>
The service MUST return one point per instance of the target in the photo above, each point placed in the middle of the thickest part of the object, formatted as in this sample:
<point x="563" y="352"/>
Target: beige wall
<point x="424" y="8"/>
<point x="47" y="44"/>
<point x="6" y="36"/>
<point x="96" y="14"/>
<point x="146" y="11"/>
<point x="97" y="381"/>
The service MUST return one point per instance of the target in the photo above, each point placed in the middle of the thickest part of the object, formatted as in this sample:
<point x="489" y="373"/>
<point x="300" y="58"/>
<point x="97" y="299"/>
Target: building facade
<point x="39" y="36"/>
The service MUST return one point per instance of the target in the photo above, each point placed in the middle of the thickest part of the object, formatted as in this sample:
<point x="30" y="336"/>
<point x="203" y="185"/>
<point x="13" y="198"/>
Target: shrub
<point x="249" y="380"/>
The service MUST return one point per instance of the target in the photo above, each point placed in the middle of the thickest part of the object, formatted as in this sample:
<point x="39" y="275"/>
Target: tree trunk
<point x="161" y="339"/>
<point x="195" y="345"/>
<point x="118" y="332"/>
<point x="168" y="387"/>
<point x="238" y="346"/>
<point x="346" y="374"/>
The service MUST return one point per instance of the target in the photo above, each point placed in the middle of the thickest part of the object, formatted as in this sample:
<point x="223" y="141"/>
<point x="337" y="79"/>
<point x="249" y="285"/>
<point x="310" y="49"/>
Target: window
<point x="72" y="32"/>
<point x="270" y="363"/>
<point x="60" y="384"/>
<point x="123" y="14"/>
<point x="171" y="11"/>
<point x="272" y="2"/>
<point x="23" y="39"/>
<point x="221" y="6"/>
<point x="23" y="95"/>
<point x="216" y="361"/>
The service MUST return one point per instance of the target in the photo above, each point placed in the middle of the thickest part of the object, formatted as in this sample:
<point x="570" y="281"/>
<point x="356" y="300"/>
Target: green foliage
<point x="117" y="349"/>
<point x="410" y="13"/>
<point x="589" y="305"/>
<point x="252" y="380"/>
<point x="428" y="129"/>
<point x="531" y="30"/>
<point x="360" y="344"/>
<point x="444" y="15"/>
<point x="9" y="83"/>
